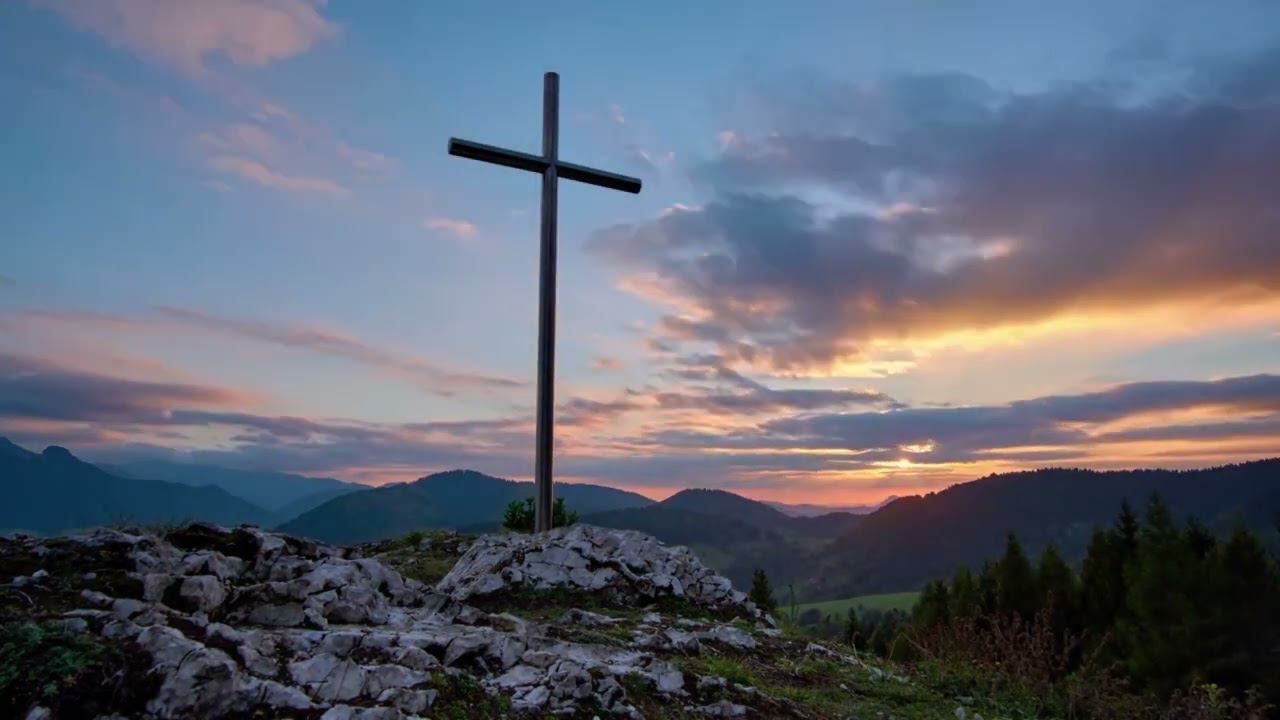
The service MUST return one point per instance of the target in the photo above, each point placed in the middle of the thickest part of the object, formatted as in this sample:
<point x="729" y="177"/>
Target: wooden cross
<point x="551" y="167"/>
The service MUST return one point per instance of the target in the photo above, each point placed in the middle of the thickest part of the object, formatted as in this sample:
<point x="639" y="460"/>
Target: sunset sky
<point x="881" y="247"/>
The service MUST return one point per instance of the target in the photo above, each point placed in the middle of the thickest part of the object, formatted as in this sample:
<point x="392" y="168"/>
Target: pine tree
<point x="1057" y="590"/>
<point x="1159" y="633"/>
<point x="966" y="601"/>
<point x="931" y="609"/>
<point x="1016" y="582"/>
<point x="762" y="592"/>
<point x="1250" y="612"/>
<point x="1199" y="539"/>
<point x="1103" y="585"/>
<point x="852" y="628"/>
<point x="1127" y="527"/>
<point x="989" y="588"/>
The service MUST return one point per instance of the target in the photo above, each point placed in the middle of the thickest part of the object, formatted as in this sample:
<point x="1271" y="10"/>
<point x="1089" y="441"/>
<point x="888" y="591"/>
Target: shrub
<point x="519" y="515"/>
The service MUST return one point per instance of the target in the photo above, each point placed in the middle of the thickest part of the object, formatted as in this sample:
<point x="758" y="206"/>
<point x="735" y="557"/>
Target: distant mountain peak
<point x="708" y="493"/>
<point x="59" y="454"/>
<point x="457" y="475"/>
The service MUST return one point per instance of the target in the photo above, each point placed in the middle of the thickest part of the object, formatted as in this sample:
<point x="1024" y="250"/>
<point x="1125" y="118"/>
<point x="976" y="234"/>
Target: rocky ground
<point x="206" y="622"/>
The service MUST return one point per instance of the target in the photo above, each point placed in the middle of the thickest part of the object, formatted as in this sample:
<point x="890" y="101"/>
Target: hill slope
<point x="55" y="492"/>
<point x="453" y="499"/>
<point x="915" y="539"/>
<point x="733" y="534"/>
<point x="721" y="502"/>
<point x="275" y="491"/>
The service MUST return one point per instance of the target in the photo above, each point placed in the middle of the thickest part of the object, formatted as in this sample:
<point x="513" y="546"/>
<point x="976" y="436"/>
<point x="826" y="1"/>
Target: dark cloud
<point x="957" y="207"/>
<point x="35" y="388"/>
<point x="438" y="379"/>
<point x="279" y="427"/>
<point x="958" y="432"/>
<point x="40" y="401"/>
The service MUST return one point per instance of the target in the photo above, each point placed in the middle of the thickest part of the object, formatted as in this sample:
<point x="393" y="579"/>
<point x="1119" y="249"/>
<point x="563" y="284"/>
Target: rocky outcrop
<point x="626" y="567"/>
<point x="244" y="622"/>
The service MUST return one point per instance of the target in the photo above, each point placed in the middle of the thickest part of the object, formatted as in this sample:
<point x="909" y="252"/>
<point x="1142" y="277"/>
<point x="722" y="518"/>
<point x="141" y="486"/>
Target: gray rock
<point x="734" y="637"/>
<point x="723" y="708"/>
<point x="287" y="615"/>
<point x="330" y="678"/>
<point x="297" y="627"/>
<point x="203" y="593"/>
<point x="519" y="676"/>
<point x="627" y="566"/>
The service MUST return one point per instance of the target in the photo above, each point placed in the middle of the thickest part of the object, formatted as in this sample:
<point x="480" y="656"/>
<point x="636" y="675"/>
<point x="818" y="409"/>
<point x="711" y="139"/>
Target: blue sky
<point x="232" y="233"/>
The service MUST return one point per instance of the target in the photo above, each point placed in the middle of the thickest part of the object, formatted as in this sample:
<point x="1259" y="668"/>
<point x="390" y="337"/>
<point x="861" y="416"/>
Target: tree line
<point x="1161" y="616"/>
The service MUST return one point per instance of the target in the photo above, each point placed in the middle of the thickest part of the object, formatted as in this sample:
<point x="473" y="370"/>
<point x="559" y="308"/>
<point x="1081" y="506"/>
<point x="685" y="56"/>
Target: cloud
<point x="718" y="389"/>
<point x="266" y="177"/>
<point x="186" y="33"/>
<point x="241" y="138"/>
<point x="808" y="443"/>
<point x="959" y="432"/>
<point x="7" y="281"/>
<point x="650" y="160"/>
<point x="458" y="228"/>
<point x="616" y="115"/>
<point x="363" y="160"/>
<point x="433" y="377"/>
<point x="35" y="388"/>
<point x="267" y="150"/>
<point x="216" y="186"/>
<point x="933" y="205"/>
<point x="604" y="363"/>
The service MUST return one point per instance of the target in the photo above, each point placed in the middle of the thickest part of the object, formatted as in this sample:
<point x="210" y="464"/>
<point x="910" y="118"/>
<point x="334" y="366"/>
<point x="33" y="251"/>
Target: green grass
<point x="839" y="608"/>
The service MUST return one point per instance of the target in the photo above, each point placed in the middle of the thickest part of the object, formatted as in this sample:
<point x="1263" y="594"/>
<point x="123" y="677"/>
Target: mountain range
<point x="915" y="539"/>
<point x="285" y="494"/>
<point x="898" y="546"/>
<point x="54" y="491"/>
<point x="454" y="499"/>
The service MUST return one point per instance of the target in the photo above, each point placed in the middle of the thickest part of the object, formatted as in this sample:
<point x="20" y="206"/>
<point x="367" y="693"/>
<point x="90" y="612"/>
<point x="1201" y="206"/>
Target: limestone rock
<point x="241" y="622"/>
<point x="626" y="566"/>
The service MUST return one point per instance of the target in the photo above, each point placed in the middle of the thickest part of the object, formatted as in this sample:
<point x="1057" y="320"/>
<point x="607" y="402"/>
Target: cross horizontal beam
<point x="539" y="164"/>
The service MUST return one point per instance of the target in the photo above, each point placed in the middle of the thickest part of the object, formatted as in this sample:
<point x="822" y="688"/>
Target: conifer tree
<point x="965" y="599"/>
<point x="1057" y="590"/>
<point x="1016" y="582"/>
<point x="931" y="609"/>
<point x="1159" y="632"/>
<point x="762" y="592"/>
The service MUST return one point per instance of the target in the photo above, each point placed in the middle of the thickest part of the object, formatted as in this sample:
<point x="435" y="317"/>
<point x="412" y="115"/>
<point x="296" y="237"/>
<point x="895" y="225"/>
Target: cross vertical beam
<point x="552" y="169"/>
<point x="545" y="438"/>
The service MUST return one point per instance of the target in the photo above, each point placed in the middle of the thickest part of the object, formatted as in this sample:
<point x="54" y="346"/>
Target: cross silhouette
<point x="552" y="168"/>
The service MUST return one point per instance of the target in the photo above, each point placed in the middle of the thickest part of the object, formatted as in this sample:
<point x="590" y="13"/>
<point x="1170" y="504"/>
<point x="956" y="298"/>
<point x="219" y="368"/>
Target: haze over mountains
<point x="54" y="491"/>
<point x="898" y="546"/>
<point x="283" y="493"/>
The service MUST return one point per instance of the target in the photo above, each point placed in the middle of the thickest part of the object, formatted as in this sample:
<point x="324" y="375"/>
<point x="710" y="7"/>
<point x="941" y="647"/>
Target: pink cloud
<point x="265" y="176"/>
<point x="457" y="228"/>
<point x="607" y="363"/>
<point x="183" y="33"/>
<point x="241" y="138"/>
